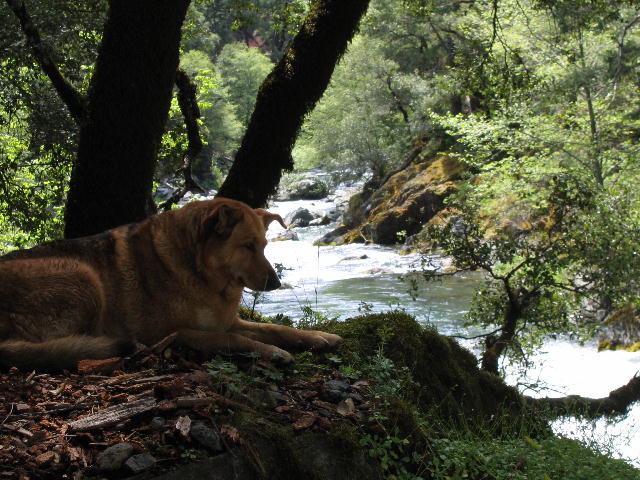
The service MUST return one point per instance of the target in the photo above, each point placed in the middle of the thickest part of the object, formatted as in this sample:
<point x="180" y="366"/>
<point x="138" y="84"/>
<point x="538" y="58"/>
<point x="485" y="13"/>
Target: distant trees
<point x="122" y="115"/>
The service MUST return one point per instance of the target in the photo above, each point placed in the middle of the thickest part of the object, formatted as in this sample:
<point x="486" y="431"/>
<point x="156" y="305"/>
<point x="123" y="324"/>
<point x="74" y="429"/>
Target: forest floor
<point x="158" y="409"/>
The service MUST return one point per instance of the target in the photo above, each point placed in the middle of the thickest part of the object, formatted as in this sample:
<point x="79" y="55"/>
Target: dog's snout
<point x="273" y="281"/>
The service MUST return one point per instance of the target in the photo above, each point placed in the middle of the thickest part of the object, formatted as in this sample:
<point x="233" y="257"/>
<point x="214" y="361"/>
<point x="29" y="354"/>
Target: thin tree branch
<point x="190" y="111"/>
<point x="74" y="101"/>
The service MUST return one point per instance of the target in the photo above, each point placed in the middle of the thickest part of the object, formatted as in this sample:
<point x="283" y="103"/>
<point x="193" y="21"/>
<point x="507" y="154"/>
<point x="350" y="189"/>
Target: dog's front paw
<point x="325" y="342"/>
<point x="280" y="357"/>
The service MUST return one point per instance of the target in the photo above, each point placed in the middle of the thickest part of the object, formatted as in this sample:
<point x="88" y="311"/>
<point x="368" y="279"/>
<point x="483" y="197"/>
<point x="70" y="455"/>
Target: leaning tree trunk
<point x="129" y="100"/>
<point x="290" y="92"/>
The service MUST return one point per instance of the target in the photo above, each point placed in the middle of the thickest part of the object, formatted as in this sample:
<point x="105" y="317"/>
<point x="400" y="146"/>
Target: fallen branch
<point x="69" y="95"/>
<point x="113" y="415"/>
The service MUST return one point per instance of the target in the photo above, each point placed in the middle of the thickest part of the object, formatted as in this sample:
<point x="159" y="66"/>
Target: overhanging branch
<point x="74" y="101"/>
<point x="616" y="403"/>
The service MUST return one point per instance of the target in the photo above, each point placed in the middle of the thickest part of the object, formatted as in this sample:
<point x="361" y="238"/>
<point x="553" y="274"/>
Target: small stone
<point x="157" y="423"/>
<point x="334" y="391"/>
<point x="286" y="235"/>
<point x="114" y="456"/>
<point x="207" y="437"/>
<point x="141" y="462"/>
<point x="320" y="221"/>
<point x="340" y="385"/>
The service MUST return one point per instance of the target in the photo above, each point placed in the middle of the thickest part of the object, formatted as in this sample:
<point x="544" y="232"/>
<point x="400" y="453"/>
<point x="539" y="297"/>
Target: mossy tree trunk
<point x="290" y="92"/>
<point x="128" y="104"/>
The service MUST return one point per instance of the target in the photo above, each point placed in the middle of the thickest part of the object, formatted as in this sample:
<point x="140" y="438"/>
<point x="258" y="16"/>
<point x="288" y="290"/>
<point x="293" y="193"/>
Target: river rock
<point x="320" y="221"/>
<point x="334" y="391"/>
<point x="300" y="217"/>
<point x="141" y="462"/>
<point x="621" y="330"/>
<point x="114" y="456"/>
<point x="304" y="189"/>
<point x="207" y="437"/>
<point x="284" y="236"/>
<point x="401" y="206"/>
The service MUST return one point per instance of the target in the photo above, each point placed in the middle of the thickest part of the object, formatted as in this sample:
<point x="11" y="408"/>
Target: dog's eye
<point x="250" y="246"/>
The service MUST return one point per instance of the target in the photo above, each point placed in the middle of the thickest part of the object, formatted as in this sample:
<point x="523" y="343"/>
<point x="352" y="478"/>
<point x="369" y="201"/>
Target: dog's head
<point x="234" y="241"/>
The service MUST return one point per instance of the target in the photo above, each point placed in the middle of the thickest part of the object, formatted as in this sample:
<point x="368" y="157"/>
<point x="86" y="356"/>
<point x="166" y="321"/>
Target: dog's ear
<point x="268" y="217"/>
<point x="221" y="221"/>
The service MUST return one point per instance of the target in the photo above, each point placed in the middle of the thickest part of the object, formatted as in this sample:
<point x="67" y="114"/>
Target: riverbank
<point x="342" y="281"/>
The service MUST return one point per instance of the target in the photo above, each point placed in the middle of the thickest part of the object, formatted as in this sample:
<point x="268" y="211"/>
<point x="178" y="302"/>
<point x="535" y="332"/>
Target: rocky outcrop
<point x="400" y="207"/>
<point x="307" y="186"/>
<point x="621" y="331"/>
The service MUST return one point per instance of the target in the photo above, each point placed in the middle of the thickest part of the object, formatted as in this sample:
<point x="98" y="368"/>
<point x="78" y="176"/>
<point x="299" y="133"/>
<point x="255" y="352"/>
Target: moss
<point x="332" y="455"/>
<point x="447" y="375"/>
<point x="634" y="347"/>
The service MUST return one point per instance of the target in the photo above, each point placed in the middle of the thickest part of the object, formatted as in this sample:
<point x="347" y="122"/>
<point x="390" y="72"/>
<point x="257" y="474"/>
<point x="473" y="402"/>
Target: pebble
<point x="157" y="423"/>
<point x="141" y="462"/>
<point x="334" y="391"/>
<point x="207" y="437"/>
<point x="114" y="456"/>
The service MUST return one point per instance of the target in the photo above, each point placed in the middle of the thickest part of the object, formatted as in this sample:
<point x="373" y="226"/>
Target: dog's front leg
<point x="209" y="343"/>
<point x="287" y="337"/>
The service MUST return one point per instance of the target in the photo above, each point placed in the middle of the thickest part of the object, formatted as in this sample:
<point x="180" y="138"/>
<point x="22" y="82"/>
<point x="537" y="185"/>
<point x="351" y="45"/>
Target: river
<point x="342" y="281"/>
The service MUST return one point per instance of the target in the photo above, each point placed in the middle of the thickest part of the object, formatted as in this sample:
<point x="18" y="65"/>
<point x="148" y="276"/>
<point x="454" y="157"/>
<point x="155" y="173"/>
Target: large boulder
<point x="300" y="217"/>
<point x="304" y="189"/>
<point x="401" y="206"/>
<point x="621" y="331"/>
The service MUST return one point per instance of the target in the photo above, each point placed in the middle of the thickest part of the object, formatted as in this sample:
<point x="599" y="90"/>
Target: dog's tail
<point x="60" y="353"/>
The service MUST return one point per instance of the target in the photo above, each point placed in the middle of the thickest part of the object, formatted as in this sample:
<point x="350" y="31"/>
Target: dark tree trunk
<point x="290" y="92"/>
<point x="129" y="100"/>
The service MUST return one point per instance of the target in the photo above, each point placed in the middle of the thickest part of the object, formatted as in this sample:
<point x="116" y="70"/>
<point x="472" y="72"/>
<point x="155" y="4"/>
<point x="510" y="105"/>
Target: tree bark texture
<point x="129" y="100"/>
<point x="288" y="94"/>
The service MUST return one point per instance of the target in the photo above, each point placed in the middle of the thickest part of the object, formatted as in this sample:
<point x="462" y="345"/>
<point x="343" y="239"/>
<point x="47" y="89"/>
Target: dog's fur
<point x="182" y="271"/>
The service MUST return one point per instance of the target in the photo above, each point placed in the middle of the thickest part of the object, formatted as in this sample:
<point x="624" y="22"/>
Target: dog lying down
<point x="181" y="271"/>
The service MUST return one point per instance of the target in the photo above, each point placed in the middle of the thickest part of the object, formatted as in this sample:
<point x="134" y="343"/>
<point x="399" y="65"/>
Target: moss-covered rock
<point x="401" y="206"/>
<point x="448" y="378"/>
<point x="621" y="331"/>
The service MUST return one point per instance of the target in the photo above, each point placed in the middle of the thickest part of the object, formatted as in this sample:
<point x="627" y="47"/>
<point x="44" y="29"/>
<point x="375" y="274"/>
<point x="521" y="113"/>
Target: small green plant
<point x="365" y="307"/>
<point x="191" y="454"/>
<point x="390" y="450"/>
<point x="313" y="319"/>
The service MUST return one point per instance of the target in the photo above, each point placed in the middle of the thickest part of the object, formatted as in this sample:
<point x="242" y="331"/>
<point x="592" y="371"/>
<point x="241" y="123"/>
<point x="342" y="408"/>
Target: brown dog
<point x="182" y="271"/>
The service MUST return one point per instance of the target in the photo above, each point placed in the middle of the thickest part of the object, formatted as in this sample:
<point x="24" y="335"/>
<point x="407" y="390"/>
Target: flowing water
<point x="342" y="281"/>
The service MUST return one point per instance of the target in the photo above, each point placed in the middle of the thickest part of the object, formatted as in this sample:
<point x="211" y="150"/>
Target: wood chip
<point x="305" y="422"/>
<point x="104" y="366"/>
<point x="45" y="458"/>
<point x="231" y="433"/>
<point x="183" y="425"/>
